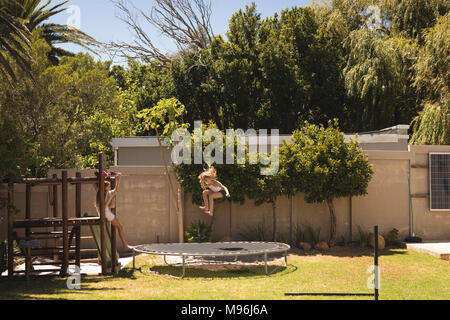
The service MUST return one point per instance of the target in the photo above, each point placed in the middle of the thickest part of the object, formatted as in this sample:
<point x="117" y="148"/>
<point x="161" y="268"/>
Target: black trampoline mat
<point x="213" y="249"/>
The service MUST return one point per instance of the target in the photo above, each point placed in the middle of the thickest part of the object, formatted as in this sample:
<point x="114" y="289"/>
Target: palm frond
<point x="14" y="43"/>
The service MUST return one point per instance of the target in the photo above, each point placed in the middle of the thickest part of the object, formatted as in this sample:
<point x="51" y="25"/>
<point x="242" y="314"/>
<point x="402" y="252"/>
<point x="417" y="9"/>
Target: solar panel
<point x="440" y="181"/>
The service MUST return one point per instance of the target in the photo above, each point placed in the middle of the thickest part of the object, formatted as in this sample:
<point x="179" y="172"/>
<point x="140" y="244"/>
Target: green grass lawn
<point x="404" y="275"/>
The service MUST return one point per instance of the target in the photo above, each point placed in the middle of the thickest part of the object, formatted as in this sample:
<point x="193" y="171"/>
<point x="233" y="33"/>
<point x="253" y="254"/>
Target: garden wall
<point x="146" y="207"/>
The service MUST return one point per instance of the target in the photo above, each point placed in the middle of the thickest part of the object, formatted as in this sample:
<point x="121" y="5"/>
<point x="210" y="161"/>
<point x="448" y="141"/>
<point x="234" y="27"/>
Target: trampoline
<point x="219" y="249"/>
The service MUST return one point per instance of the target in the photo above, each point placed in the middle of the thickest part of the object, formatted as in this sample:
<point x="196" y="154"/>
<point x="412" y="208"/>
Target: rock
<point x="304" y="246"/>
<point x="226" y="239"/>
<point x="381" y="241"/>
<point x="322" y="246"/>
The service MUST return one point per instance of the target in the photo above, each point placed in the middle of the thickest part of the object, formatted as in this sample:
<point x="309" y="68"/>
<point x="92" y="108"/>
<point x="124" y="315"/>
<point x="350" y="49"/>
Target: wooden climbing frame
<point x="57" y="222"/>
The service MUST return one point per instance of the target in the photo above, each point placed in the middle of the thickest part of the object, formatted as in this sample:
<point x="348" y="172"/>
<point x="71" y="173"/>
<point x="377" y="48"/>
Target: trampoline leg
<point x="265" y="263"/>
<point x="285" y="259"/>
<point x="184" y="267"/>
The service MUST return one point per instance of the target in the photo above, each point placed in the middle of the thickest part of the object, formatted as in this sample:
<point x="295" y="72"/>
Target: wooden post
<point x="78" y="215"/>
<point x="65" y="213"/>
<point x="10" y="229"/>
<point x="101" y="202"/>
<point x="55" y="215"/>
<point x="27" y="230"/>
<point x="114" y="269"/>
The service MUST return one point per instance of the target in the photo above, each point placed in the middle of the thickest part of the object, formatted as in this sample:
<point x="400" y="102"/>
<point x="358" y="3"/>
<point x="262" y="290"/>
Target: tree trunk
<point x="274" y="223"/>
<point x="332" y="222"/>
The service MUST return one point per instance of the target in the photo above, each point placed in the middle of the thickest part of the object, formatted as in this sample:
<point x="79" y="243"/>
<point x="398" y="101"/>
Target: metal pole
<point x="377" y="275"/>
<point x="265" y="263"/>
<point x="285" y="259"/>
<point x="184" y="266"/>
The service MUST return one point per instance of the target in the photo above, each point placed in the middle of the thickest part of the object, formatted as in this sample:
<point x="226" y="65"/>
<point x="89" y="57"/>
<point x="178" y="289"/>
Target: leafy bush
<point x="312" y="236"/>
<point x="392" y="237"/>
<point x="255" y="233"/>
<point x="363" y="237"/>
<point x="299" y="235"/>
<point x="198" y="232"/>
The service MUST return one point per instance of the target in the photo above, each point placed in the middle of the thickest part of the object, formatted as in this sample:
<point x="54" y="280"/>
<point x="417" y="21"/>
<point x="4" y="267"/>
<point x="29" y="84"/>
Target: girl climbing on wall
<point x="109" y="197"/>
<point x="212" y="189"/>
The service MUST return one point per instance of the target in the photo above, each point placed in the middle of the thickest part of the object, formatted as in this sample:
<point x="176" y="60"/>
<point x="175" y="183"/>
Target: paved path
<point x="439" y="249"/>
<point x="90" y="269"/>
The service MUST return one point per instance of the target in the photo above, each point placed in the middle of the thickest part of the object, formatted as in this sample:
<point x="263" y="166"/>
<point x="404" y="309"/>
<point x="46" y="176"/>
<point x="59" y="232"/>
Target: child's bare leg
<point x="205" y="200"/>
<point x="211" y="202"/>
<point x="119" y="227"/>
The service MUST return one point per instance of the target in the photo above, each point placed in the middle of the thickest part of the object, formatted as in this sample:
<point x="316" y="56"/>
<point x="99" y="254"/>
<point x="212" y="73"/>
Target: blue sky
<point x="98" y="18"/>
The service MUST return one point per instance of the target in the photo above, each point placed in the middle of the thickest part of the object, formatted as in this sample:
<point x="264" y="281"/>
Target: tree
<point x="14" y="43"/>
<point x="432" y="80"/>
<point x="412" y="17"/>
<point x="186" y="22"/>
<point x="66" y="114"/>
<point x="432" y="70"/>
<point x="35" y="15"/>
<point x="378" y="76"/>
<point x="432" y="125"/>
<point x="324" y="167"/>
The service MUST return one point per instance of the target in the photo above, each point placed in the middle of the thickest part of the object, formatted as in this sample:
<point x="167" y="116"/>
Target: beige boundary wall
<point x="146" y="207"/>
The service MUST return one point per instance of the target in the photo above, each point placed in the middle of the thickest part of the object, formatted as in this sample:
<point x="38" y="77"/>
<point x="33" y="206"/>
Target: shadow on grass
<point x="196" y="272"/>
<point x="21" y="289"/>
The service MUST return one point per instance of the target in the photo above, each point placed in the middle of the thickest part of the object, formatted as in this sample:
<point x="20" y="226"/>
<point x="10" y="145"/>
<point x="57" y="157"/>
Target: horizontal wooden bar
<point x="46" y="233"/>
<point x="421" y="195"/>
<point x="56" y="222"/>
<point x="50" y="248"/>
<point x="44" y="181"/>
<point x="50" y="237"/>
<point x="420" y="166"/>
<point x="54" y="263"/>
<point x="90" y="180"/>
<point x="38" y="271"/>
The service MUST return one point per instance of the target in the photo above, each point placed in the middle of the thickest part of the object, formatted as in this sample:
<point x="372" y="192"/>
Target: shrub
<point x="312" y="236"/>
<point x="392" y="237"/>
<point x="363" y="237"/>
<point x="198" y="232"/>
<point x="256" y="233"/>
<point x="299" y="235"/>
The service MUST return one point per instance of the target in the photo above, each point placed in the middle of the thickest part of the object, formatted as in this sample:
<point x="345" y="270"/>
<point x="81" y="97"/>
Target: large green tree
<point x="432" y="80"/>
<point x="324" y="167"/>
<point x="66" y="114"/>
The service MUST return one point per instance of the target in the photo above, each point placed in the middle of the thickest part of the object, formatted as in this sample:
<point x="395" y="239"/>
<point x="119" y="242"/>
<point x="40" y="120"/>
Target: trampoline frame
<point x="184" y="255"/>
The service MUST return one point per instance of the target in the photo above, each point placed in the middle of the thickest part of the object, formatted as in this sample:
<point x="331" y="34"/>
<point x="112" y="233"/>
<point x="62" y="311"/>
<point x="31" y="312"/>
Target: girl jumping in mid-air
<point x="213" y="189"/>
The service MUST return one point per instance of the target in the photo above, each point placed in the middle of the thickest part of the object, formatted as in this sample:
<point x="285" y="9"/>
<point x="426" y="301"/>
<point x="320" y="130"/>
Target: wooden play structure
<point x="63" y="228"/>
